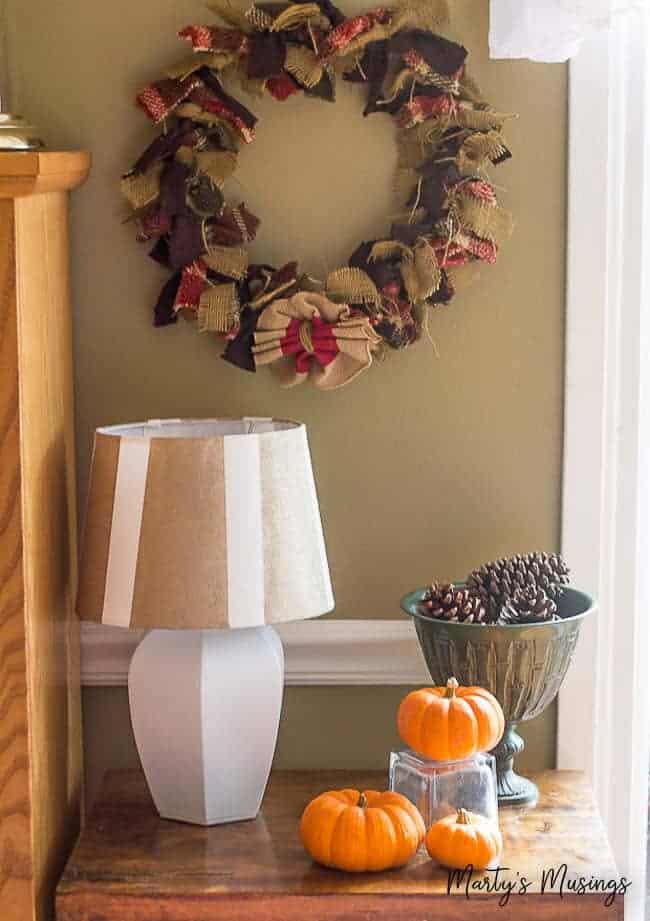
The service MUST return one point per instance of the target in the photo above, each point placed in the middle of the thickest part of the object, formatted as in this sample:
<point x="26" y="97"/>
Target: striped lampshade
<point x="205" y="523"/>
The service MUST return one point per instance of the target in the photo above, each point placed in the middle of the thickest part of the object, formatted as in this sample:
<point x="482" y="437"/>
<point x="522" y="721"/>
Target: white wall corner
<point x="606" y="501"/>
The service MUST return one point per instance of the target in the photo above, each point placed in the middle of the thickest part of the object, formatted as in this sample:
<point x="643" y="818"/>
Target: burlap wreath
<point x="325" y="331"/>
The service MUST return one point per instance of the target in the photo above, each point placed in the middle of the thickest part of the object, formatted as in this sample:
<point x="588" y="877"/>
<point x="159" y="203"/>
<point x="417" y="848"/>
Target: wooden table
<point x="130" y="865"/>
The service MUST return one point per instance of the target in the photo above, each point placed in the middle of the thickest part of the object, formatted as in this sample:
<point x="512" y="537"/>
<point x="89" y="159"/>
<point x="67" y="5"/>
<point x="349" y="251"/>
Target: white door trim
<point x="604" y="707"/>
<point x="317" y="652"/>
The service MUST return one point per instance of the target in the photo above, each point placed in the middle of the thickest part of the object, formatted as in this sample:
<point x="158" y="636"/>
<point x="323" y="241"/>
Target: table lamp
<point x="205" y="533"/>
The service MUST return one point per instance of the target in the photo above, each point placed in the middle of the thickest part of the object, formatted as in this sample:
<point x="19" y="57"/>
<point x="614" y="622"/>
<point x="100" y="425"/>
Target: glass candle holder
<point x="439" y="788"/>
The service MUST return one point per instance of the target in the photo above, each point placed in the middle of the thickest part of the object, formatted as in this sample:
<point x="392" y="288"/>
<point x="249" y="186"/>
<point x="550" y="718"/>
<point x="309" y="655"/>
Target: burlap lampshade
<point x="203" y="524"/>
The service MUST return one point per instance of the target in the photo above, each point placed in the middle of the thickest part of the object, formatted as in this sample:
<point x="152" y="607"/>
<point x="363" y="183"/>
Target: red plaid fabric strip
<point x="422" y="107"/>
<point x="193" y="283"/>
<point x="159" y="99"/>
<point x="347" y="31"/>
<point x="465" y="247"/>
<point x="209" y="103"/>
<point x="484" y="250"/>
<point x="480" y="189"/>
<point x="211" y="38"/>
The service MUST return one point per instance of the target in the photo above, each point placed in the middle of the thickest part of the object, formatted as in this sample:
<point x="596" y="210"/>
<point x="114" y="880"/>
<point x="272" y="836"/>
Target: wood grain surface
<point x="49" y="534"/>
<point x="131" y="864"/>
<point x="16" y="866"/>
<point x="40" y="721"/>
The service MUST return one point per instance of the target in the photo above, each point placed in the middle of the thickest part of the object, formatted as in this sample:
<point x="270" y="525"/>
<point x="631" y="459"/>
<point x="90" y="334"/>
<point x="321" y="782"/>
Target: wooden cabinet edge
<point x="36" y="273"/>
<point x="33" y="172"/>
<point x="85" y="905"/>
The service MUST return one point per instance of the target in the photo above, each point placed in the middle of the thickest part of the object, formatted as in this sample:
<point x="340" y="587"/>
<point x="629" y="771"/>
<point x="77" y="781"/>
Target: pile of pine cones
<point x="521" y="589"/>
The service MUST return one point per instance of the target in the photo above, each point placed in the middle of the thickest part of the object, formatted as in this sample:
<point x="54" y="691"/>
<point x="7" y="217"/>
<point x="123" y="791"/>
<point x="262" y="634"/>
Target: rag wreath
<point x="324" y="331"/>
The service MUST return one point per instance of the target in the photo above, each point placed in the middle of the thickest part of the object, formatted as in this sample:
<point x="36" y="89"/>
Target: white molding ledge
<point x="318" y="652"/>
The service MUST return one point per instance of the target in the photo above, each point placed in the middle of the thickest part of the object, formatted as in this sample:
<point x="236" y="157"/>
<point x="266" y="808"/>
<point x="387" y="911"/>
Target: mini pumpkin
<point x="464" y="839"/>
<point x="450" y="723"/>
<point x="357" y="832"/>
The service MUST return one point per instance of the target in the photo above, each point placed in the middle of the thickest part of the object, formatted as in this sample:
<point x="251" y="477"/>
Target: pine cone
<point x="550" y="571"/>
<point x="498" y="581"/>
<point x="529" y="606"/>
<point x="443" y="601"/>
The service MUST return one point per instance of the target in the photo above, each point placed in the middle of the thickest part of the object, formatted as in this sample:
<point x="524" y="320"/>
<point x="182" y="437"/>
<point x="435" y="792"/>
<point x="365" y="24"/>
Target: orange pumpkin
<point x="357" y="832"/>
<point x="450" y="723"/>
<point x="464" y="838"/>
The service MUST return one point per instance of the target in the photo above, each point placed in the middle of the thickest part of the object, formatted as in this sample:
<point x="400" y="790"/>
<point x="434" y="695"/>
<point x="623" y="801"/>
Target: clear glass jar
<point x="439" y="788"/>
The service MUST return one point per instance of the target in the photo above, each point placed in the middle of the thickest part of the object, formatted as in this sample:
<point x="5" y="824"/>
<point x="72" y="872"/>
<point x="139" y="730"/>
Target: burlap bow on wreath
<point x="309" y="336"/>
<point x="448" y="137"/>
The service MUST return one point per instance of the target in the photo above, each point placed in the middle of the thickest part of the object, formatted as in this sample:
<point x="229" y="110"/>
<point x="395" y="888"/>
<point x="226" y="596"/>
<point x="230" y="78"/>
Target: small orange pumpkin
<point x="357" y="832"/>
<point x="450" y="723"/>
<point x="464" y="838"/>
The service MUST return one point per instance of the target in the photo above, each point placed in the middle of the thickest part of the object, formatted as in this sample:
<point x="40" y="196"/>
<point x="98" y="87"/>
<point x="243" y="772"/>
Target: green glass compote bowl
<point x="523" y="666"/>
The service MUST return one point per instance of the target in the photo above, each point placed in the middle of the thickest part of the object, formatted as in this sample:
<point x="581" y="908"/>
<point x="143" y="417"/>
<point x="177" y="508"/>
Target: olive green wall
<point x="321" y="728"/>
<point x="428" y="464"/>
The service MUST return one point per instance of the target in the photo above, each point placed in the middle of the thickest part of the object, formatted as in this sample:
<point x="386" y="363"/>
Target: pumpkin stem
<point x="463" y="817"/>
<point x="452" y="686"/>
<point x="363" y="802"/>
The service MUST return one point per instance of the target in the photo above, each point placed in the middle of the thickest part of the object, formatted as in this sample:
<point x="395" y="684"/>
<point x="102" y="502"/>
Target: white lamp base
<point x="205" y="708"/>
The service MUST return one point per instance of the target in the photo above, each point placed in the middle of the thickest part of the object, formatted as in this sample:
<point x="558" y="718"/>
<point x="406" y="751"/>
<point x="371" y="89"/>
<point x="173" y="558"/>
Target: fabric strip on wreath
<point x="267" y="284"/>
<point x="218" y="309"/>
<point x="214" y="39"/>
<point x="160" y="99"/>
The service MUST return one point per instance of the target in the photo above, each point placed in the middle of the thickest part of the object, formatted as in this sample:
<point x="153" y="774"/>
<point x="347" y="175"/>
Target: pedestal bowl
<point x="523" y="666"/>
